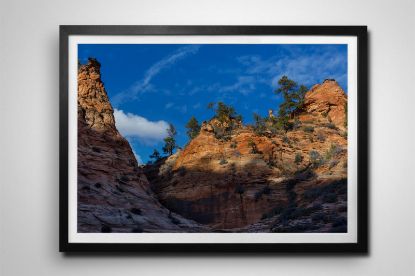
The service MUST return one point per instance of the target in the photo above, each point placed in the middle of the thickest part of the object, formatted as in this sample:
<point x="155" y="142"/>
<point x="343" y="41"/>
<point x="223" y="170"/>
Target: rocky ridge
<point x="294" y="181"/>
<point x="113" y="193"/>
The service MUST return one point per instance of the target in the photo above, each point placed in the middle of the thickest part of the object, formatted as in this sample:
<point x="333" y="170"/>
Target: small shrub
<point x="321" y="137"/>
<point x="136" y="211"/>
<point x="315" y="158"/>
<point x="222" y="133"/>
<point x="331" y="126"/>
<point x="333" y="151"/>
<point x="223" y="161"/>
<point x="234" y="145"/>
<point x="285" y="139"/>
<point x="309" y="129"/>
<point x="298" y="158"/>
<point x="296" y="124"/>
<point x="252" y="145"/>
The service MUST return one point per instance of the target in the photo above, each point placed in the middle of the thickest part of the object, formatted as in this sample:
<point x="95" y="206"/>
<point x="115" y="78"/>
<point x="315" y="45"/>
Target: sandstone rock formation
<point x="113" y="193"/>
<point x="327" y="99"/>
<point x="284" y="182"/>
<point x="223" y="181"/>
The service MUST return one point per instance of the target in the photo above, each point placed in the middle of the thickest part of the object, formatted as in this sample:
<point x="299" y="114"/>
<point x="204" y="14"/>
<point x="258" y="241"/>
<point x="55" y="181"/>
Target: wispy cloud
<point x="133" y="126"/>
<point x="168" y="105"/>
<point x="145" y="84"/>
<point x="305" y="68"/>
<point x="243" y="84"/>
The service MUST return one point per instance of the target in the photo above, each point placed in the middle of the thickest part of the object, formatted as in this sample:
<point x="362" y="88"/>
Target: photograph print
<point x="212" y="140"/>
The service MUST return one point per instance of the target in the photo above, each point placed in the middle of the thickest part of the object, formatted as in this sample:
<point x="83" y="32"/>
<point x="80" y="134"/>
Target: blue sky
<point x="152" y="85"/>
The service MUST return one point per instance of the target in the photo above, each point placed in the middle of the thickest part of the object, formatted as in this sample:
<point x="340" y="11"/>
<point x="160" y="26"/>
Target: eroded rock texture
<point x="241" y="181"/>
<point x="286" y="182"/>
<point x="113" y="193"/>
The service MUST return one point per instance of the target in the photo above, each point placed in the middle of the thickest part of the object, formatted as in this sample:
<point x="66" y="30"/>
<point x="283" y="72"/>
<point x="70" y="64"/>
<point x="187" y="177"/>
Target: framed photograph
<point x="213" y="139"/>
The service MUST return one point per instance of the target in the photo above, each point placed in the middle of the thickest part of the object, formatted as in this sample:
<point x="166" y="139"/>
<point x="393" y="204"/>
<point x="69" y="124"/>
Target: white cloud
<point x="136" y="127"/>
<point x="144" y="84"/>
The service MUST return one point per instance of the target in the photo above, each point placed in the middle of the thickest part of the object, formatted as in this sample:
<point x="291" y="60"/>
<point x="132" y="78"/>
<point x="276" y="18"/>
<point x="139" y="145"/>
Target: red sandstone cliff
<point x="227" y="185"/>
<point x="113" y="193"/>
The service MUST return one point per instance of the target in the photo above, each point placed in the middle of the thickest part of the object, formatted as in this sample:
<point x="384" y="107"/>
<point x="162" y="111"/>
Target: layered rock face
<point x="327" y="99"/>
<point x="260" y="183"/>
<point x="113" y="193"/>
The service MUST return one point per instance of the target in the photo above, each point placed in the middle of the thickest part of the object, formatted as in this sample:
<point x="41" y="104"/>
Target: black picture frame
<point x="360" y="247"/>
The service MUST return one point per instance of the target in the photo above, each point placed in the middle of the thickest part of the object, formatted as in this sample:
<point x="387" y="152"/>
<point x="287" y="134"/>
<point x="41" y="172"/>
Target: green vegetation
<point x="259" y="126"/>
<point x="298" y="158"/>
<point x="252" y="145"/>
<point x="224" y="113"/>
<point x="228" y="119"/>
<point x="321" y="137"/>
<point x="315" y="158"/>
<point x="285" y="139"/>
<point x="155" y="155"/>
<point x="309" y="129"/>
<point x="333" y="151"/>
<point x="331" y="126"/>
<point x="170" y="141"/>
<point x="193" y="128"/>
<point x="223" y="161"/>
<point x="345" y="111"/>
<point x="293" y="100"/>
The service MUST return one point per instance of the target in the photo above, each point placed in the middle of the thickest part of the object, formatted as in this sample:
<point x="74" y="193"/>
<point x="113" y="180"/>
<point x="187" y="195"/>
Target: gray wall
<point x="29" y="133"/>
